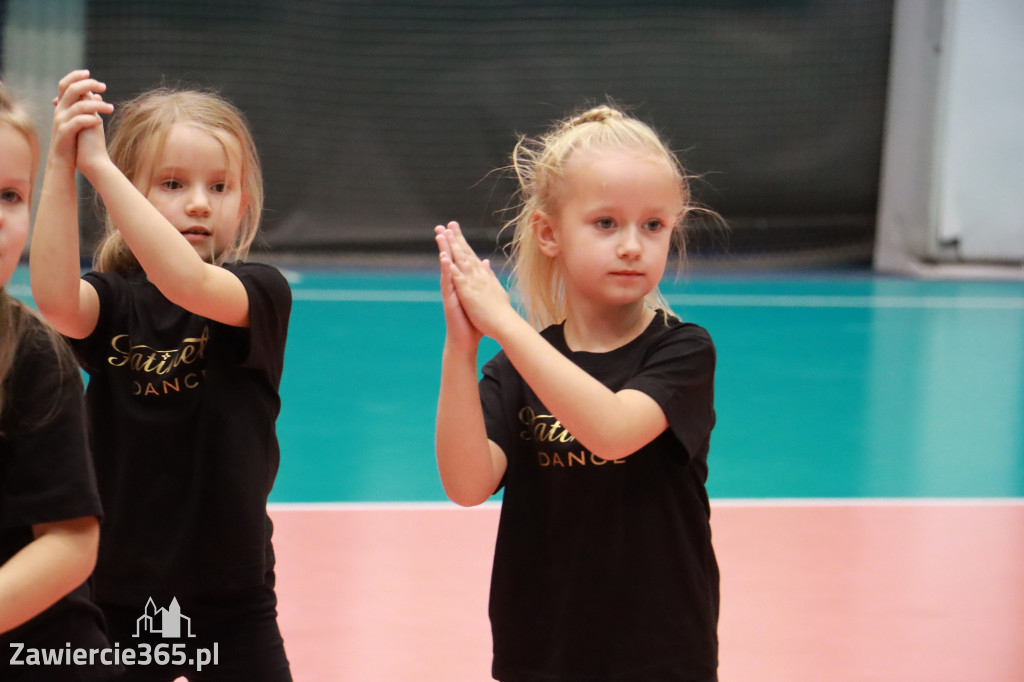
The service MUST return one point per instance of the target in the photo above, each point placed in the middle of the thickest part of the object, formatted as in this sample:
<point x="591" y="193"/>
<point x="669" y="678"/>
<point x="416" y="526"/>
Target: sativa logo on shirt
<point x="542" y="428"/>
<point x="145" y="360"/>
<point x="165" y="622"/>
<point x="547" y="431"/>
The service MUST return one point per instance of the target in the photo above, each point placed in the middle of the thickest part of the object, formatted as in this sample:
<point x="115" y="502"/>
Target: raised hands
<point x="78" y="139"/>
<point x="461" y="331"/>
<point x="470" y="466"/>
<point x="475" y="302"/>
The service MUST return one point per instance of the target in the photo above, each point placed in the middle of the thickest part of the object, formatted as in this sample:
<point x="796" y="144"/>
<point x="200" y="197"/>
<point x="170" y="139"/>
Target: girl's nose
<point x="629" y="243"/>
<point x="197" y="203"/>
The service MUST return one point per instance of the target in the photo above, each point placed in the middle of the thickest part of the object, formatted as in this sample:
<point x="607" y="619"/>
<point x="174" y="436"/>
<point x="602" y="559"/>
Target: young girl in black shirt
<point x="49" y="505"/>
<point x="184" y="346"/>
<point x="597" y="426"/>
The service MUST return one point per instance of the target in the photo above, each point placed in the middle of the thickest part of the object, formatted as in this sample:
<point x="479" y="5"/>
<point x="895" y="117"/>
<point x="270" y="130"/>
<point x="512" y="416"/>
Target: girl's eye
<point x="11" y="196"/>
<point x="604" y="223"/>
<point x="219" y="187"/>
<point x="171" y="184"/>
<point x="654" y="225"/>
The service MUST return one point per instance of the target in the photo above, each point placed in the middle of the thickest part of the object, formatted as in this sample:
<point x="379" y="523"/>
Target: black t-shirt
<point x="182" y="415"/>
<point x="45" y="476"/>
<point x="604" y="570"/>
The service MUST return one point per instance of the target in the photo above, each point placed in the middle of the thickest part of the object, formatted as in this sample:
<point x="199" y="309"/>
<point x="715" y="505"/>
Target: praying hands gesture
<point x="475" y="302"/>
<point x="610" y="424"/>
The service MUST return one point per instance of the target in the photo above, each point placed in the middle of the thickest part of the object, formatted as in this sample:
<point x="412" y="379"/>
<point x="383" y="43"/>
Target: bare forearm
<point x="465" y="462"/>
<point x="611" y="425"/>
<point x="169" y="260"/>
<point x="55" y="263"/>
<point x="45" y="570"/>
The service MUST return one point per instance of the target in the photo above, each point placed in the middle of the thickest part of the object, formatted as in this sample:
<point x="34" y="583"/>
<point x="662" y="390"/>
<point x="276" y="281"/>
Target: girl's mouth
<point x="195" y="233"/>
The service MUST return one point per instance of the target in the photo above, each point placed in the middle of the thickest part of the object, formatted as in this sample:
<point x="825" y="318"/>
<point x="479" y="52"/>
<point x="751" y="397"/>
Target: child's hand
<point x="460" y="330"/>
<point x="482" y="297"/>
<point x="77" y="138"/>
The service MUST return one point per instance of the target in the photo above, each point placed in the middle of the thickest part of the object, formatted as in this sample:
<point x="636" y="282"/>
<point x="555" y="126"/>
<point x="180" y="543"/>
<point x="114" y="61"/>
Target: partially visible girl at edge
<point x="597" y="426"/>
<point x="184" y="347"/>
<point x="49" y="504"/>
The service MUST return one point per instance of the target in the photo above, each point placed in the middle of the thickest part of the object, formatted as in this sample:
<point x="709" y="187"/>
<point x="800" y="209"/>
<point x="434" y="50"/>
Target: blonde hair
<point x="15" y="115"/>
<point x="139" y="131"/>
<point x="540" y="166"/>
<point x="17" y="319"/>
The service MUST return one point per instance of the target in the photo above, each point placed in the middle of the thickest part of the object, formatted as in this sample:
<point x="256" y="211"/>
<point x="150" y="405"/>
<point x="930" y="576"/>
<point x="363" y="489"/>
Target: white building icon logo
<point x="166" y="622"/>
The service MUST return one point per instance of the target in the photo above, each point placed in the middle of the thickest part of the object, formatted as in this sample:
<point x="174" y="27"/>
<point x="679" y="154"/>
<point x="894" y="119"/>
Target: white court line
<point x="705" y="300"/>
<point x="715" y="503"/>
<point x="681" y="300"/>
<point x="374" y="506"/>
<point x="870" y="502"/>
<point x="367" y="295"/>
<point x="924" y="302"/>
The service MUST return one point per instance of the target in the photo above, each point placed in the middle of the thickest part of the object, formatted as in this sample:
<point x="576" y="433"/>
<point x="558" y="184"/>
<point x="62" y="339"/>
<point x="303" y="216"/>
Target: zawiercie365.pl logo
<point x="169" y="623"/>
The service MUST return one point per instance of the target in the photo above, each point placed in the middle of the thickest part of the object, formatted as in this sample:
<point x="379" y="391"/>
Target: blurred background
<point x="822" y="131"/>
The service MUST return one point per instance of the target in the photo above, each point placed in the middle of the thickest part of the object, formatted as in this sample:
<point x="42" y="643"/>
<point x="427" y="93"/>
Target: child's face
<point x="15" y="188"/>
<point x="612" y="229"/>
<point x="195" y="182"/>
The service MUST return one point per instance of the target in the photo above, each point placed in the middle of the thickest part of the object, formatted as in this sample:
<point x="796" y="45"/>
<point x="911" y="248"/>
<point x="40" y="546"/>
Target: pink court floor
<point x="852" y="591"/>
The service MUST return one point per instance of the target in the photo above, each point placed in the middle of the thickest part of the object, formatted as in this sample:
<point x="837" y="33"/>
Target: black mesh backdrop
<point x="376" y="120"/>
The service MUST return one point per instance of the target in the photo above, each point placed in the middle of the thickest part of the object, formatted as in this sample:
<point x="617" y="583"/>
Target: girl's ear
<point x="544" y="232"/>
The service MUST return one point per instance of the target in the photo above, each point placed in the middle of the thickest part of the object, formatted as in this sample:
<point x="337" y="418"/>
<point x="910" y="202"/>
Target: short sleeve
<point x="45" y="468"/>
<point x="112" y="289"/>
<point x="493" y="386"/>
<point x="270" y="304"/>
<point x="678" y="373"/>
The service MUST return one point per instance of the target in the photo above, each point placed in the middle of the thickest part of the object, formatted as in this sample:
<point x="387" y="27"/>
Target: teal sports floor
<point x="829" y="385"/>
<point x="839" y="384"/>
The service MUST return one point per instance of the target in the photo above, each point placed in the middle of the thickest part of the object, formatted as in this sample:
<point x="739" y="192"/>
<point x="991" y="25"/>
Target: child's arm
<point x="471" y="466"/>
<point x="169" y="261"/>
<point x="610" y="424"/>
<point x="68" y="302"/>
<point x="61" y="558"/>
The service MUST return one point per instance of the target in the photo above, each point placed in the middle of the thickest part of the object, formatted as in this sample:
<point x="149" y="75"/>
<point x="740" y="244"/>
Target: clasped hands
<point x="475" y="301"/>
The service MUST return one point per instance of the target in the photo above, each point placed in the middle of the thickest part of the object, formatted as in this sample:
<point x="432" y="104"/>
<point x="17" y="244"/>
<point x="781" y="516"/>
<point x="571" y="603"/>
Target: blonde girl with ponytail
<point x="595" y="418"/>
